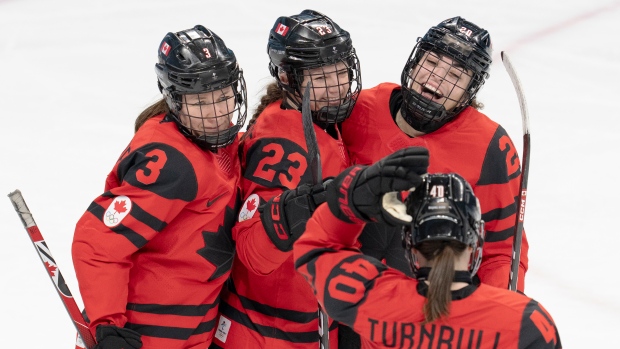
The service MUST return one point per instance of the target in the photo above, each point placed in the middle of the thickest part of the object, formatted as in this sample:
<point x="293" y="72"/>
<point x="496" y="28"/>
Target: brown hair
<point x="272" y="94"/>
<point x="477" y="105"/>
<point x="157" y="108"/>
<point x="441" y="255"/>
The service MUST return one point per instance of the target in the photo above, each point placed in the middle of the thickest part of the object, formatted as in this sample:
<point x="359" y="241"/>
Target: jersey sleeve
<point x="538" y="329"/>
<point x="272" y="165"/>
<point x="355" y="289"/>
<point x="153" y="184"/>
<point x="498" y="192"/>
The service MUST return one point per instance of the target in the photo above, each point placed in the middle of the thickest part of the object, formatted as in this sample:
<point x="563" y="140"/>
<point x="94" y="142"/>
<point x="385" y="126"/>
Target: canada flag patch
<point x="165" y="48"/>
<point x="118" y="209"/>
<point x="249" y="207"/>
<point x="281" y="29"/>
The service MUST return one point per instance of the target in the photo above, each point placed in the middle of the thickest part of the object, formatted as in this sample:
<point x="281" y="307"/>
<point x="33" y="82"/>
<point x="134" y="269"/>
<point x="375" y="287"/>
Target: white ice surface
<point x="75" y="74"/>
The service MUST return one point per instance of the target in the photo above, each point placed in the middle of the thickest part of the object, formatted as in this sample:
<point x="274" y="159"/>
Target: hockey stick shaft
<point x="525" y="169"/>
<point x="312" y="144"/>
<point x="52" y="269"/>
<point x="314" y="158"/>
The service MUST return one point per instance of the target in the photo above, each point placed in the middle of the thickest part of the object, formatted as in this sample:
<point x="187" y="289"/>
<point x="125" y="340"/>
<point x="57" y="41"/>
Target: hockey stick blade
<point x="525" y="169"/>
<point x="314" y="157"/>
<point x="52" y="269"/>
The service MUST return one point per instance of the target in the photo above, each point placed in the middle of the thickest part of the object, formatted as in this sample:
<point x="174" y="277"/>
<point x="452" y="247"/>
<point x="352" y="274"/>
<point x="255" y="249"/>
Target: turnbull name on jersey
<point x="415" y="335"/>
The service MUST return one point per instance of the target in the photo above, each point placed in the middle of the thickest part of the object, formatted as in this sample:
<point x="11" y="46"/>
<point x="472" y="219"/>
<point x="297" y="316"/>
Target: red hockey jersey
<point x="471" y="145"/>
<point x="385" y="306"/>
<point x="153" y="251"/>
<point x="267" y="303"/>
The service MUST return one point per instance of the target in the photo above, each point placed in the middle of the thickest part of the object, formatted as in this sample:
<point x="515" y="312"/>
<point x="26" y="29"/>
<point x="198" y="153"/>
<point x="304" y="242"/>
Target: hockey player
<point x="152" y="252"/>
<point x="435" y="107"/>
<point x="267" y="304"/>
<point x="444" y="233"/>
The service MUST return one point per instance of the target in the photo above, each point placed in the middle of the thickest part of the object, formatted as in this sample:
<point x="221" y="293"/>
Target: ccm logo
<point x="275" y="217"/>
<point x="522" y="205"/>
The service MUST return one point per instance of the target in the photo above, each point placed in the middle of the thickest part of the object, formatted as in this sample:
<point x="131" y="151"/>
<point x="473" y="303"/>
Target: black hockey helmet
<point x="444" y="208"/>
<point x="196" y="61"/>
<point x="311" y="40"/>
<point x="468" y="46"/>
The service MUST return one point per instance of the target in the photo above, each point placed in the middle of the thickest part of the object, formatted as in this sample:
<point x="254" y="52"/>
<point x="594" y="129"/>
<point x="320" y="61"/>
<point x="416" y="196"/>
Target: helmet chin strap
<point x="333" y="114"/>
<point x="459" y="275"/>
<point x="422" y="114"/>
<point x="323" y="117"/>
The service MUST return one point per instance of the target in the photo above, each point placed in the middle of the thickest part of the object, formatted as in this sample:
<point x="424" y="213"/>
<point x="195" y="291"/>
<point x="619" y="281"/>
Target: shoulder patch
<point x="277" y="163"/>
<point x="250" y="206"/>
<point x="161" y="169"/>
<point x="501" y="161"/>
<point x="119" y="209"/>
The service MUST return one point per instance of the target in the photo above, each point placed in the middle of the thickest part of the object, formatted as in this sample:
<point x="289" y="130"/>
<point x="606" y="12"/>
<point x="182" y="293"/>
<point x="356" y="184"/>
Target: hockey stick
<point x="525" y="169"/>
<point x="315" y="167"/>
<point x="50" y="265"/>
<point x="311" y="143"/>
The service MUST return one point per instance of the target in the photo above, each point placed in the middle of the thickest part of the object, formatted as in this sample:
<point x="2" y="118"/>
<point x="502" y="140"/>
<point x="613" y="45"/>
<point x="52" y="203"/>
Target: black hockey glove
<point x="112" y="337"/>
<point x="358" y="194"/>
<point x="284" y="216"/>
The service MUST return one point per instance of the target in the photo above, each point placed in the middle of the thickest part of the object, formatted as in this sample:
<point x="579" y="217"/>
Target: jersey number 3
<point x="157" y="161"/>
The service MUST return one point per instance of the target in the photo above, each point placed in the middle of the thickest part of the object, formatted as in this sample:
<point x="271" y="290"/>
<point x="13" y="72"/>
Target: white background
<point x="75" y="74"/>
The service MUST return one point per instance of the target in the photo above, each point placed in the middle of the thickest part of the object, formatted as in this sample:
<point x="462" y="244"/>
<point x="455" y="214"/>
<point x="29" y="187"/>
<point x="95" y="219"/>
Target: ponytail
<point x="157" y="108"/>
<point x="274" y="93"/>
<point x="441" y="254"/>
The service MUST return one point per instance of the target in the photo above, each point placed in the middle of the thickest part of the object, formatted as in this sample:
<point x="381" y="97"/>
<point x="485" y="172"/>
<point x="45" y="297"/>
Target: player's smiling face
<point x="329" y="85"/>
<point x="440" y="79"/>
<point x="209" y="112"/>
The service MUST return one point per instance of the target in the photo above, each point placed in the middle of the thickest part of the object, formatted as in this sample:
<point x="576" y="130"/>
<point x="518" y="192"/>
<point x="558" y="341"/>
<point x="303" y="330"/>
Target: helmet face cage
<point x="444" y="208"/>
<point x="310" y="47"/>
<point x="444" y="72"/>
<point x="334" y="88"/>
<point x="211" y="119"/>
<point x="203" y="86"/>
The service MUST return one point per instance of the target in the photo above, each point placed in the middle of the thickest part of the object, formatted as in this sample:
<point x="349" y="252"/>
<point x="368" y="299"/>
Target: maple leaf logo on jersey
<point x="219" y="247"/>
<point x="119" y="208"/>
<point x="249" y="207"/>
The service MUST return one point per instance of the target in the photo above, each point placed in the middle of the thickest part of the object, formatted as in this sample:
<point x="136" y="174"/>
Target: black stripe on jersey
<point x="500" y="213"/>
<point x="286" y="314"/>
<point x="135" y="238"/>
<point x="495" y="236"/>
<point x="139" y="214"/>
<point x="271" y="332"/>
<point x="151" y="221"/>
<point x="171" y="332"/>
<point x="312" y="255"/>
<point x="180" y="310"/>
